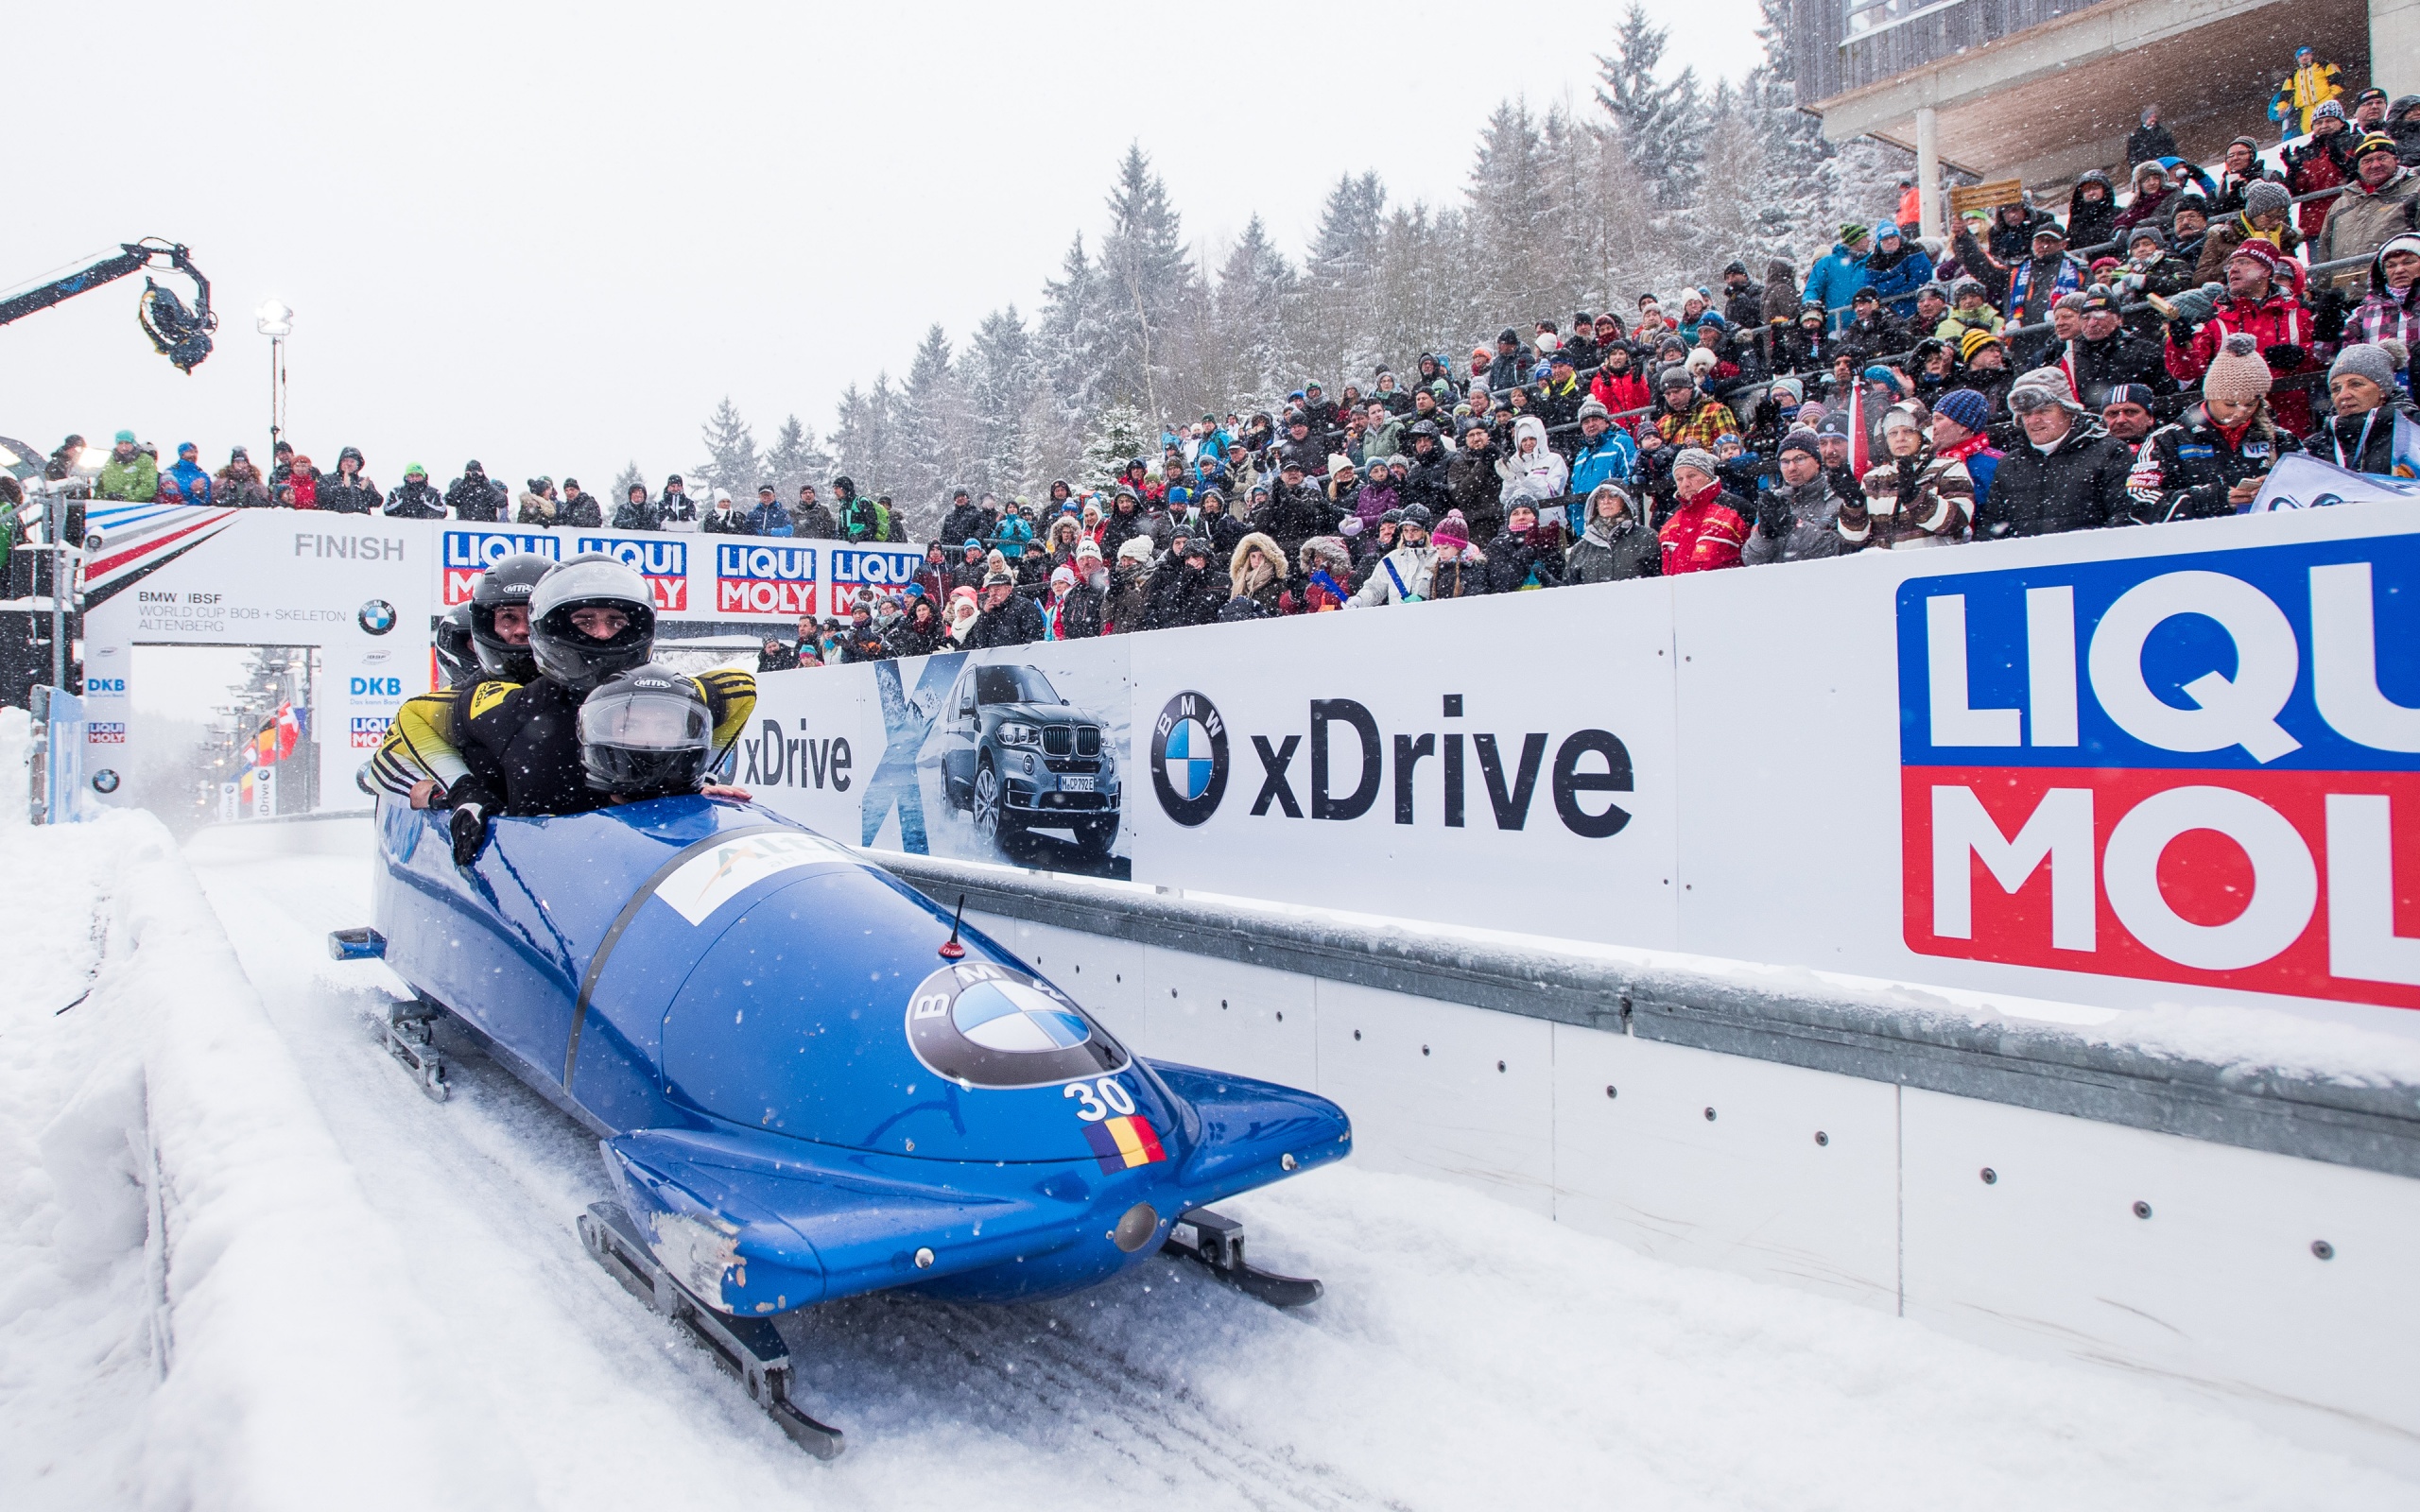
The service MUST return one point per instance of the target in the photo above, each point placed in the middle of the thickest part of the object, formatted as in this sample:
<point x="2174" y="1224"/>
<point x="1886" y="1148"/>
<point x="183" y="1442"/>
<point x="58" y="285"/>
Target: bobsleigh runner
<point x="808" y="1082"/>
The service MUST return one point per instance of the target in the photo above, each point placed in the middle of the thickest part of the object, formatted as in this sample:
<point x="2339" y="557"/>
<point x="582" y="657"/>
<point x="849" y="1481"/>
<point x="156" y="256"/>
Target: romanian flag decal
<point x="1123" y="1144"/>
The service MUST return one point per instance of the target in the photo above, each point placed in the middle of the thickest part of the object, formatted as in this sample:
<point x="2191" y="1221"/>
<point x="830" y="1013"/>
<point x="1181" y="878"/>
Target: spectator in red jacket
<point x="1618" y="387"/>
<point x="2260" y="304"/>
<point x="1708" y="526"/>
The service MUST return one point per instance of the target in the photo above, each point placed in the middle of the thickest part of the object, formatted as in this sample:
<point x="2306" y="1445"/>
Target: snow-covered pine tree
<point x="1662" y="120"/>
<point x="731" y="458"/>
<point x="1335" y="303"/>
<point x="1797" y="181"/>
<point x="1146" y="283"/>
<point x="1745" y="225"/>
<point x="1069" y="331"/>
<point x="794" y="458"/>
<point x="930" y="429"/>
<point x="1121" y="433"/>
<point x="1248" y="352"/>
<point x="1427" y="301"/>
<point x="996" y="373"/>
<point x="1510" y="211"/>
<point x="861" y="439"/>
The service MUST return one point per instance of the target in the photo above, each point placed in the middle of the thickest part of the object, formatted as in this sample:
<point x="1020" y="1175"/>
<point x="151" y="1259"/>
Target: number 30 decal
<point x="1109" y="1091"/>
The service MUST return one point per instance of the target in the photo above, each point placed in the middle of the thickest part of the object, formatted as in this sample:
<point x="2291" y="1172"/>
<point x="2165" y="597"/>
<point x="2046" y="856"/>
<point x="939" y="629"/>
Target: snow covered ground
<point x="365" y="1298"/>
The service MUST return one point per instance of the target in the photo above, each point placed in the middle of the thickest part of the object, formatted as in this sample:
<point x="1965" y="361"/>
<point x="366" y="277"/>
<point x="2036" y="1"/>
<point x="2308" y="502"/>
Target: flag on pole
<point x="1861" y="454"/>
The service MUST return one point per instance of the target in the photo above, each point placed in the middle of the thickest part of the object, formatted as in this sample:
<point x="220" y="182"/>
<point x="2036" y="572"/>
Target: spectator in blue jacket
<point x="769" y="518"/>
<point x="1897" y="268"/>
<point x="1839" y="274"/>
<point x="191" y="480"/>
<point x="1606" y="455"/>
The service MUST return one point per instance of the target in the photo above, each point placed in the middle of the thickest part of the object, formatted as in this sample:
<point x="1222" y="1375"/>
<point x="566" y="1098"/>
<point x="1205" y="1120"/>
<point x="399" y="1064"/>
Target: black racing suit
<point x="519" y="742"/>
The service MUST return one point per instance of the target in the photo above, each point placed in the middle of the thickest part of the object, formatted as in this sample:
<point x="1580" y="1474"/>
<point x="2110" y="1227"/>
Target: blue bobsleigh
<point x="807" y="1080"/>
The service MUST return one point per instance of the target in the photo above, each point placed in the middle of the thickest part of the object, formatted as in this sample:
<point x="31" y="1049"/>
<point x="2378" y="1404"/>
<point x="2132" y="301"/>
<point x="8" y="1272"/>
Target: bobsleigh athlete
<point x="458" y="656"/>
<point x="497" y="619"/>
<point x="513" y="746"/>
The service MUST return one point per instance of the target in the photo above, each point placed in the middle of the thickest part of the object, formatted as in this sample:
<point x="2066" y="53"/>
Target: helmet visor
<point x="643" y="720"/>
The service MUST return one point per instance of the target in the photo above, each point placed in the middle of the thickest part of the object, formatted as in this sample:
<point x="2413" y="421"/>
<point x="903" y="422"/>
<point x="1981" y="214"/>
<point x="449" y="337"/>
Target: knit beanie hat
<point x="1977" y="340"/>
<point x="1801" y="440"/>
<point x="1968" y="409"/>
<point x="2364" y="359"/>
<point x="1676" y="376"/>
<point x="2265" y="197"/>
<point x="1136" y="549"/>
<point x="1852" y="233"/>
<point x="1452" y="533"/>
<point x="2049" y="380"/>
<point x="2238" y="376"/>
<point x="1597" y="409"/>
<point x="2259" y="252"/>
<point x="1695" y="456"/>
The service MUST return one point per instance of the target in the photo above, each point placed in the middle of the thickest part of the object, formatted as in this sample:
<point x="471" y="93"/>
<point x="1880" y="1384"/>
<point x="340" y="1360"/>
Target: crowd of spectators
<point x="2146" y="357"/>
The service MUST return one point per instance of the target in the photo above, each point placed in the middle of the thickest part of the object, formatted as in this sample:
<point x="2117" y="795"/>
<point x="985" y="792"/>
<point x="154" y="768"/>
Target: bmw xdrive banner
<point x="1503" y="762"/>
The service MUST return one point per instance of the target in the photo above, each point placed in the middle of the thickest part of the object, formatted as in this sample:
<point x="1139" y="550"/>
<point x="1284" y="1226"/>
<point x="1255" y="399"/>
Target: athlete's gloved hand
<point x="471" y="805"/>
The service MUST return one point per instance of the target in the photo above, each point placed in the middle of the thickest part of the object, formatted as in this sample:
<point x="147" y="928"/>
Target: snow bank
<point x="203" y="1310"/>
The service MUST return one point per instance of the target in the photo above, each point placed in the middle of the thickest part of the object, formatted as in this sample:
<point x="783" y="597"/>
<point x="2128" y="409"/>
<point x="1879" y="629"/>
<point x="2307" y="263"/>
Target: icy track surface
<point x="1466" y="1355"/>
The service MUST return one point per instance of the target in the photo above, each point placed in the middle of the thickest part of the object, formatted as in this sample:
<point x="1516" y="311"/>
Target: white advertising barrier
<point x="363" y="589"/>
<point x="2118" y="769"/>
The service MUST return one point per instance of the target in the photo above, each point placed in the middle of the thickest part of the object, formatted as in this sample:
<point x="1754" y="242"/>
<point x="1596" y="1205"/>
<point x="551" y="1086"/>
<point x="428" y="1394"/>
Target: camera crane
<point x="177" y="334"/>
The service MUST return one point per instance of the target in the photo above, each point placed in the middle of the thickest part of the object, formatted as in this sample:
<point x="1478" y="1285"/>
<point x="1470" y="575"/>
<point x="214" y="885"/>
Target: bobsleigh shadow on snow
<point x="799" y="1096"/>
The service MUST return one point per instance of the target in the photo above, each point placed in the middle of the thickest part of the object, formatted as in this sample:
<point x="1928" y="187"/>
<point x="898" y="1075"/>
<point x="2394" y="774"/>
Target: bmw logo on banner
<point x="377" y="616"/>
<point x="1189" y="758"/>
<point x="984" y="1025"/>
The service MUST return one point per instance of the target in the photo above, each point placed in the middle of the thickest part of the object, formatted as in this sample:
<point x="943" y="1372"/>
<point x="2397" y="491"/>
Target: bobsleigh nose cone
<point x="1136" y="1227"/>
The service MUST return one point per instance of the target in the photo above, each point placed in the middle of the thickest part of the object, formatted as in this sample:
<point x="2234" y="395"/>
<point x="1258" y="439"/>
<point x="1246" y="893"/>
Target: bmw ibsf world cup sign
<point x="2189" y="768"/>
<point x="664" y="561"/>
<point x="1189" y="758"/>
<point x="466" y="552"/>
<point x="763" y="579"/>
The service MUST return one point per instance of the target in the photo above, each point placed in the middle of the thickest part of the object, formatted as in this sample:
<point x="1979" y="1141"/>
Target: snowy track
<point x="1466" y="1355"/>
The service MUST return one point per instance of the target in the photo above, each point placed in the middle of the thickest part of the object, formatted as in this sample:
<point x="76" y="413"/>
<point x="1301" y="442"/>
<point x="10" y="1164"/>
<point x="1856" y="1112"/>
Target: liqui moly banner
<point x="2200" y="767"/>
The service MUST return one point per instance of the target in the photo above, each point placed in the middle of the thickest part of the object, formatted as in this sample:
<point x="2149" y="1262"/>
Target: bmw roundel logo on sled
<point x="377" y="616"/>
<point x="1189" y="758"/>
<point x="984" y="1025"/>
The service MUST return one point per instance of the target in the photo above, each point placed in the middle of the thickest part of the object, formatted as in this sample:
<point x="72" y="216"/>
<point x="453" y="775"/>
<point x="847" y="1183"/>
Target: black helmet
<point x="572" y="656"/>
<point x="457" y="659"/>
<point x="645" y="733"/>
<point x="507" y="583"/>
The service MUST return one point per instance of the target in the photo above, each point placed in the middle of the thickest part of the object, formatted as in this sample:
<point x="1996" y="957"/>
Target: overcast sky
<point x="553" y="237"/>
